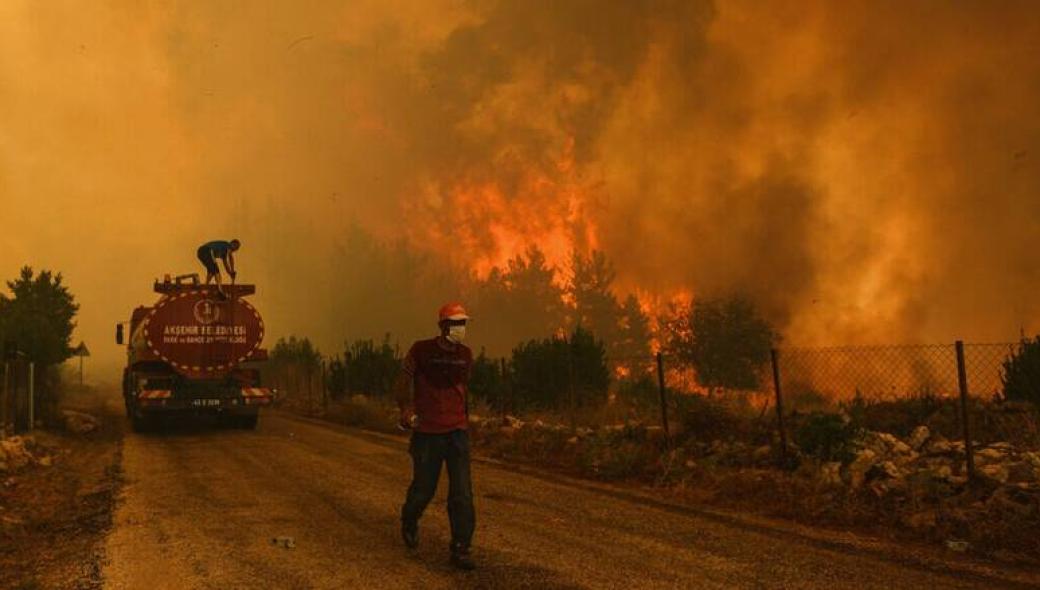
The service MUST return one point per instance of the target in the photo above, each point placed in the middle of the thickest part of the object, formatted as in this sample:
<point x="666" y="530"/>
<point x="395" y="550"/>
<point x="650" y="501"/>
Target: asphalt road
<point x="200" y="506"/>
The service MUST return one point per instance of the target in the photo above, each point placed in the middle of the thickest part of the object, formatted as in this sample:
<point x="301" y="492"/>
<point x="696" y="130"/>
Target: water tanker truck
<point x="195" y="351"/>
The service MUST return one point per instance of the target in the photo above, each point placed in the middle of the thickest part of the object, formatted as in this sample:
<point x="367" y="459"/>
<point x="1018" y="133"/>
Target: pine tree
<point x="591" y="290"/>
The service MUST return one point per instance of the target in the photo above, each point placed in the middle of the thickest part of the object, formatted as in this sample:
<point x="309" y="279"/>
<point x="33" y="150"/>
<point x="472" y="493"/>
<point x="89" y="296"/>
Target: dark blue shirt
<point x="220" y="248"/>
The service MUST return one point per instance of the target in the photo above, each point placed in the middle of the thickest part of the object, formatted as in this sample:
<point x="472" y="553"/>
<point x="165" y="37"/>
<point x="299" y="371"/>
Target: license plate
<point x="205" y="403"/>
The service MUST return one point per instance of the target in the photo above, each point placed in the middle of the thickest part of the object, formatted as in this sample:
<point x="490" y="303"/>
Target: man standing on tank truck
<point x="432" y="396"/>
<point x="210" y="252"/>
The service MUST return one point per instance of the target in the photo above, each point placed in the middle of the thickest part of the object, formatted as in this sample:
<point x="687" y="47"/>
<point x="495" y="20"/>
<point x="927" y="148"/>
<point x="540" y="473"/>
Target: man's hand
<point x="407" y="421"/>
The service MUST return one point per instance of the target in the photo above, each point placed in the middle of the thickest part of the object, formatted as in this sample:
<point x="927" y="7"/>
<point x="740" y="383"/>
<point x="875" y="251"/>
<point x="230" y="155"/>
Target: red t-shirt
<point x="440" y="376"/>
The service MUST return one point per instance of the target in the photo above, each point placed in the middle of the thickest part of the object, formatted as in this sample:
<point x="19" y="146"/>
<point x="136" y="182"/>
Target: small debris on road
<point x="79" y="422"/>
<point x="286" y="542"/>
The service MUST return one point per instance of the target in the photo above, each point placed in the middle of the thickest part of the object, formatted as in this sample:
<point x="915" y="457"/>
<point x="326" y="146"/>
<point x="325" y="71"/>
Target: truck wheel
<point x="141" y="423"/>
<point x="248" y="422"/>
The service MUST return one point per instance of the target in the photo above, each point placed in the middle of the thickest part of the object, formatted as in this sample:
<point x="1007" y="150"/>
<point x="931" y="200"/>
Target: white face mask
<point x="457" y="334"/>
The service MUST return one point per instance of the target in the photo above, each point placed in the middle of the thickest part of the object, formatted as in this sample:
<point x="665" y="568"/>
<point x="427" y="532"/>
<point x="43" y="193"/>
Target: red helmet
<point x="452" y="311"/>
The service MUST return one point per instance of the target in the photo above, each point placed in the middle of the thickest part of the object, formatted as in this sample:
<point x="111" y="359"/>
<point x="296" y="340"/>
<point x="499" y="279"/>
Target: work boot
<point x="410" y="534"/>
<point x="461" y="558"/>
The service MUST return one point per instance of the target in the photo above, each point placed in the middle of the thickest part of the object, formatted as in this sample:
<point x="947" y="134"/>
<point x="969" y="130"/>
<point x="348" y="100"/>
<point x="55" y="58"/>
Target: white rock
<point x="989" y="455"/>
<point x="889" y="440"/>
<point x="830" y="473"/>
<point x="888" y="469"/>
<point x="78" y="422"/>
<point x="901" y="447"/>
<point x="1033" y="458"/>
<point x="918" y="437"/>
<point x="864" y="460"/>
<point x="15" y="454"/>
<point x="938" y="446"/>
<point x="995" y="472"/>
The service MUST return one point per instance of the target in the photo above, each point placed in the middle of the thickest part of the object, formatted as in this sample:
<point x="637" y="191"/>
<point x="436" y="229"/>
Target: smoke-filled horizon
<point x="865" y="172"/>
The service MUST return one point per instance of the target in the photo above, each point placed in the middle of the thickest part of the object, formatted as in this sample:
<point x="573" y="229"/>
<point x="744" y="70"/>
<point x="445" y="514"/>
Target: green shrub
<point x="369" y="414"/>
<point x="487" y="382"/>
<point x="546" y="373"/>
<point x="641" y="391"/>
<point x="901" y="416"/>
<point x="826" y="437"/>
<point x="708" y="419"/>
<point x="726" y="341"/>
<point x="1021" y="373"/>
<point x="804" y="398"/>
<point x="371" y="369"/>
<point x="615" y="459"/>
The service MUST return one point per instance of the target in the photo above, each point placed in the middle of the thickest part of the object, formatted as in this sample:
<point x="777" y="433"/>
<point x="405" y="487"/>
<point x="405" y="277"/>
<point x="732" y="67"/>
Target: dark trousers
<point x="429" y="452"/>
<point x="206" y="258"/>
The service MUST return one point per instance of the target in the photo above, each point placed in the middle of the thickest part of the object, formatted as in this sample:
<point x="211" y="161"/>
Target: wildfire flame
<point x="482" y="223"/>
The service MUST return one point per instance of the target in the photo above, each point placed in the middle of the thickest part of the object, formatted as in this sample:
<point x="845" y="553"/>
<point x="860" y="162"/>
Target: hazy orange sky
<point x="868" y="170"/>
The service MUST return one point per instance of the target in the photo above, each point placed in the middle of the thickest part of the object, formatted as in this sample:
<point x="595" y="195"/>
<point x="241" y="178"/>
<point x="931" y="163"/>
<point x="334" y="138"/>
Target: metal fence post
<point x="505" y="389"/>
<point x="570" y="380"/>
<point x="32" y="395"/>
<point x="664" y="398"/>
<point x="324" y="389"/>
<point x="962" y="384"/>
<point x="773" y="355"/>
<point x="5" y="400"/>
<point x="310" y="389"/>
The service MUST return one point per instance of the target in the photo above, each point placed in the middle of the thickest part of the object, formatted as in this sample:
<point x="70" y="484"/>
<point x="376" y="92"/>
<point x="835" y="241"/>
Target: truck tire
<point x="140" y="423"/>
<point x="248" y="422"/>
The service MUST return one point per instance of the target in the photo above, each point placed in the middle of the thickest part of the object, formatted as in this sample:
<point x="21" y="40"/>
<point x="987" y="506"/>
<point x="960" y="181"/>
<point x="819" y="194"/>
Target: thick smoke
<point x="867" y="171"/>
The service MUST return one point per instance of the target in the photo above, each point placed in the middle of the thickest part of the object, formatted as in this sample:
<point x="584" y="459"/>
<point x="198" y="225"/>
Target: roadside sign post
<point x="81" y="351"/>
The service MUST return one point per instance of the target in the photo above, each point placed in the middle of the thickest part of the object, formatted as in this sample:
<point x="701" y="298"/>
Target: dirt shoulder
<point x="55" y="512"/>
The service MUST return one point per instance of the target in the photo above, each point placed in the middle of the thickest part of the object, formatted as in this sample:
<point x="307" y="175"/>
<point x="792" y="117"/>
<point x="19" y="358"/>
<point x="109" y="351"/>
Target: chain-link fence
<point x="978" y="393"/>
<point x="816" y="377"/>
<point x="899" y="372"/>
